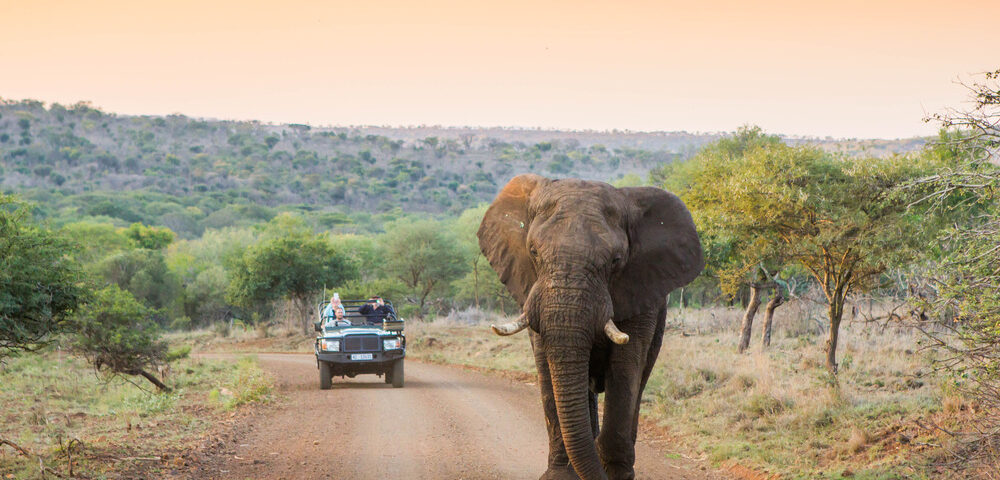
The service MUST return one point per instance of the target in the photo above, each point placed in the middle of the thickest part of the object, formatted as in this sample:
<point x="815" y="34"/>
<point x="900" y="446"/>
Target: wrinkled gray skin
<point x="575" y="254"/>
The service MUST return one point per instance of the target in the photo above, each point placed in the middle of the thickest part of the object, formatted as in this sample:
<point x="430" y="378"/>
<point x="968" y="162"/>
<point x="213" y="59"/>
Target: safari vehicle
<point x="359" y="345"/>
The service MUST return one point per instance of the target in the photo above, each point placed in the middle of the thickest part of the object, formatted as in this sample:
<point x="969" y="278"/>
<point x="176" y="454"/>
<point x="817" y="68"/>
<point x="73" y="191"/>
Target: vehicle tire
<point x="387" y="376"/>
<point x="397" y="374"/>
<point x="325" y="376"/>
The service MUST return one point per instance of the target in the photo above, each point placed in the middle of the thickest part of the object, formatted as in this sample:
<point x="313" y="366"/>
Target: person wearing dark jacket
<point x="374" y="311"/>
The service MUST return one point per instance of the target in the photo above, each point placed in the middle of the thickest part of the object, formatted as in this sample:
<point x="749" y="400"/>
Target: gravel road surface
<point x="446" y="423"/>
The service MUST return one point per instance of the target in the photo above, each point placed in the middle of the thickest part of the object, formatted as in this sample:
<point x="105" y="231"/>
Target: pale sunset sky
<point x="817" y="68"/>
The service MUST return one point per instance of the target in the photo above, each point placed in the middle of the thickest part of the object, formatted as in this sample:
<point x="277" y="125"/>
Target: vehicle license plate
<point x="361" y="356"/>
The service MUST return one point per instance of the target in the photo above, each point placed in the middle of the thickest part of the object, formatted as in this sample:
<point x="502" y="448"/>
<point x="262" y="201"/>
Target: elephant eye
<point x="617" y="261"/>
<point x="533" y="252"/>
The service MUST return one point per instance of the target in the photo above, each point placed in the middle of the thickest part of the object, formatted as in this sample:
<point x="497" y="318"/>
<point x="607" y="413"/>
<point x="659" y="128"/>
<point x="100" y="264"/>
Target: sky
<point x="846" y="69"/>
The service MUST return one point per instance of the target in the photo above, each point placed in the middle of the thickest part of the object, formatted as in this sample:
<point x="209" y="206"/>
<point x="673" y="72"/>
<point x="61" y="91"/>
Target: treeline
<point x="113" y="289"/>
<point x="191" y="175"/>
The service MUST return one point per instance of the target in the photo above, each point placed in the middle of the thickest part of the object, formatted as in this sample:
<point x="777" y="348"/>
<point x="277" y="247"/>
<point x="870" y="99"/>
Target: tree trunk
<point x="748" y="317"/>
<point x="155" y="381"/>
<point x="776" y="300"/>
<point x="301" y="305"/>
<point x="475" y="282"/>
<point x="836" y="313"/>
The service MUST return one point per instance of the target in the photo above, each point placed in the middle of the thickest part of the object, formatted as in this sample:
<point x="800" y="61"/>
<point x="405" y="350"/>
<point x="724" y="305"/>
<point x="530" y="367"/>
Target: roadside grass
<point x="243" y="340"/>
<point x="774" y="412"/>
<point x="57" y="409"/>
<point x="449" y="340"/>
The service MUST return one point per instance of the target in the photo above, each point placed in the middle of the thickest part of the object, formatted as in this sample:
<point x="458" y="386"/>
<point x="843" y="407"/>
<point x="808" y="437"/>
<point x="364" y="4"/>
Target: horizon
<point x="847" y="70"/>
<point x="616" y="131"/>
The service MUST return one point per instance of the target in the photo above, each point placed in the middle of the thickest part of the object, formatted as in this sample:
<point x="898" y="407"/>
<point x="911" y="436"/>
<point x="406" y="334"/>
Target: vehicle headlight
<point x="391" y="343"/>
<point x="330" y="345"/>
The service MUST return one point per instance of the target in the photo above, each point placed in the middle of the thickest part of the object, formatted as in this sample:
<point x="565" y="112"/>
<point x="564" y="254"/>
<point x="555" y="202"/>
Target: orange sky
<point x="839" y="68"/>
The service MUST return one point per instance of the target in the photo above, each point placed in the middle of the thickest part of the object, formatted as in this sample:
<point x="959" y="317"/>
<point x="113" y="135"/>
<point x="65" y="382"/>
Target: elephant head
<point x="582" y="258"/>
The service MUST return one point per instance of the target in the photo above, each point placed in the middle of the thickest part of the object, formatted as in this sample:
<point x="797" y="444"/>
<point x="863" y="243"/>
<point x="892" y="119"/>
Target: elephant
<point x="591" y="266"/>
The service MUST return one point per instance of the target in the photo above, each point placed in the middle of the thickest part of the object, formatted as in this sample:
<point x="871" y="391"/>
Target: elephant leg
<point x="654" y="351"/>
<point x="626" y="374"/>
<point x="558" y="467"/>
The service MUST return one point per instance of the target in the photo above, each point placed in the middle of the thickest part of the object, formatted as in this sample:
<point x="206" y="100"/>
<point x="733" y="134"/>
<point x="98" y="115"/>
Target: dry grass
<point x="780" y="410"/>
<point x="244" y="340"/>
<point x="55" y="407"/>
<point x="857" y="441"/>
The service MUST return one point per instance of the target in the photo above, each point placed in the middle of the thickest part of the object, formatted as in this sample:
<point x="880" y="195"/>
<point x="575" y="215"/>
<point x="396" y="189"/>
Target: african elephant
<point x="591" y="266"/>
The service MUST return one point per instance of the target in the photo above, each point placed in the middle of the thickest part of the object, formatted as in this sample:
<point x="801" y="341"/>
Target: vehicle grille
<point x="361" y="343"/>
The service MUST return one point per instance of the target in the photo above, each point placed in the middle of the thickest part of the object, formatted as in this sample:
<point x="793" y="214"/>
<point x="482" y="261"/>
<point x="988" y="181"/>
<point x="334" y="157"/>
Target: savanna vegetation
<point x="877" y="357"/>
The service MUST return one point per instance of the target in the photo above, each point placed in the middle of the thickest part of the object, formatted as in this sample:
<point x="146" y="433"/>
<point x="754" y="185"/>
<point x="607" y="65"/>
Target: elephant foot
<point x="562" y="472"/>
<point x="619" y="472"/>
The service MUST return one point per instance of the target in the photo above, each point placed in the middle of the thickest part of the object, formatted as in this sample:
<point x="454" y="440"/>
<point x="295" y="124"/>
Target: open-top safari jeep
<point x="360" y="344"/>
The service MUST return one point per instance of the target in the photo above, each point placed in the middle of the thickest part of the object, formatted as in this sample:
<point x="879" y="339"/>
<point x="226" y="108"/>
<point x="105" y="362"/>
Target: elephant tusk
<point x="617" y="336"/>
<point x="511" y="328"/>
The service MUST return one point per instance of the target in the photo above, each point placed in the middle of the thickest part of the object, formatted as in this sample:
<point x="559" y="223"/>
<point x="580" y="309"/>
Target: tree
<point x="480" y="286"/>
<point x="736" y="255"/>
<point x="200" y="267"/>
<point x="144" y="273"/>
<point x="39" y="280"/>
<point x="294" y="267"/>
<point x="841" y="220"/>
<point x="465" y="228"/>
<point x="152" y="238"/>
<point x="116" y="333"/>
<point x="271" y="141"/>
<point x="424" y="255"/>
<point x="365" y="252"/>
<point x="963" y="324"/>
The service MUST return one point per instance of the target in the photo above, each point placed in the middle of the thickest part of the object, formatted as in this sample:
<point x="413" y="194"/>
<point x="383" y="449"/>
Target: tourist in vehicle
<point x="375" y="310"/>
<point x="333" y="307"/>
<point x="338" y="320"/>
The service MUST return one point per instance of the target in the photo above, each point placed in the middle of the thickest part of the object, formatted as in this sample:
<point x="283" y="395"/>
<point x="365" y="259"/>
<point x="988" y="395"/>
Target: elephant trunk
<point x="572" y="321"/>
<point x="569" y="369"/>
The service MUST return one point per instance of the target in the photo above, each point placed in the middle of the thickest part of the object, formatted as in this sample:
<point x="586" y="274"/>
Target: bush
<point x="762" y="405"/>
<point x="250" y="384"/>
<point x="178" y="353"/>
<point x="221" y="329"/>
<point x="38" y="280"/>
<point x="117" y="334"/>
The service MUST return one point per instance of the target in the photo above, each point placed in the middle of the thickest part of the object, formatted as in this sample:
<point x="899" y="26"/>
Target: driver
<point x="338" y="319"/>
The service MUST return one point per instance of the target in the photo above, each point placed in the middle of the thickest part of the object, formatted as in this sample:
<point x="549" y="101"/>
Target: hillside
<point x="191" y="174"/>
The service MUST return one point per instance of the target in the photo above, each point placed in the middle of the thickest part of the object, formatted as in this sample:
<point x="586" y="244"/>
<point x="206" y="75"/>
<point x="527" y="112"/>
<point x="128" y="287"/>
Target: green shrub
<point x="178" y="353"/>
<point x="249" y="384"/>
<point x="761" y="405"/>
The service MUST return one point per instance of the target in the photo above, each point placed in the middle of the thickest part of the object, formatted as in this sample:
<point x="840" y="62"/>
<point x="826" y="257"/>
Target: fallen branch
<point x="17" y="447"/>
<point x="42" y="468"/>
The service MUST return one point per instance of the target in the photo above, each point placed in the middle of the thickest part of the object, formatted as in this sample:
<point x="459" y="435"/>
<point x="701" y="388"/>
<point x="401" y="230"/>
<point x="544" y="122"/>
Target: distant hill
<point x="190" y="174"/>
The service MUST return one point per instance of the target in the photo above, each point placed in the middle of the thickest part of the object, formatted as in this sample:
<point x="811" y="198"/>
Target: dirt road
<point x="446" y="423"/>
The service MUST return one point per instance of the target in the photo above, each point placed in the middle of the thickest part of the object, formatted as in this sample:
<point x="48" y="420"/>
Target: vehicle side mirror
<point x="318" y="326"/>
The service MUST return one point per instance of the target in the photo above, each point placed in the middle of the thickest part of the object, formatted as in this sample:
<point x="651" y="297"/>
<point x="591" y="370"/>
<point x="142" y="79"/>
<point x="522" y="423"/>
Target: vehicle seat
<point x="357" y="319"/>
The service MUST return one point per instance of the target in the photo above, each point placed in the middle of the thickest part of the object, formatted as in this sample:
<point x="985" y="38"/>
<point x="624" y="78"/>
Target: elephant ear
<point x="503" y="235"/>
<point x="664" y="251"/>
